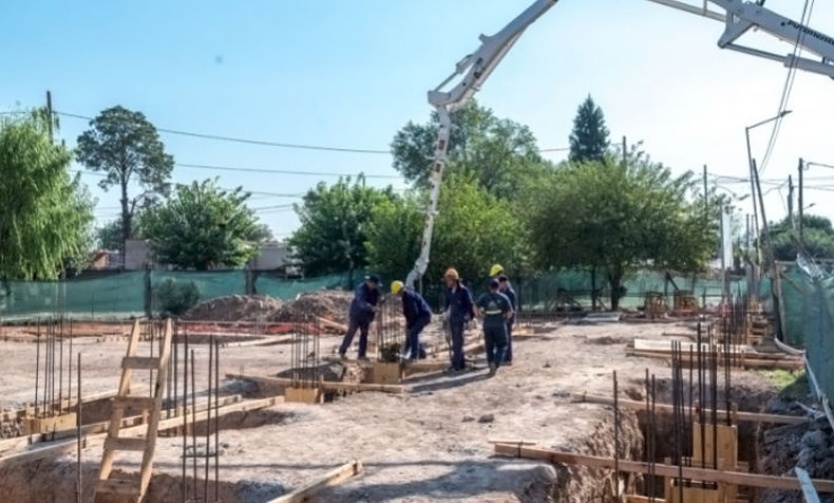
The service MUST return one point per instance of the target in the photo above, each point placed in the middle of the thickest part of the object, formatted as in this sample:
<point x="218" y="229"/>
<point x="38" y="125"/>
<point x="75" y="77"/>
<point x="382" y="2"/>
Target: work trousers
<point x="495" y="341"/>
<point x="354" y="325"/>
<point x="509" y="355"/>
<point x="412" y="338"/>
<point x="458" y="360"/>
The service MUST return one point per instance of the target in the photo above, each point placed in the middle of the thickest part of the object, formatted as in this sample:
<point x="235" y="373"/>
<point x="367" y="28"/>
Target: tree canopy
<point x="474" y="230"/>
<point x="817" y="238"/>
<point x="46" y="215"/>
<point x="614" y="217"/>
<point x="589" y="139"/>
<point x="125" y="146"/>
<point x="334" y="224"/>
<point x="202" y="226"/>
<point x="498" y="154"/>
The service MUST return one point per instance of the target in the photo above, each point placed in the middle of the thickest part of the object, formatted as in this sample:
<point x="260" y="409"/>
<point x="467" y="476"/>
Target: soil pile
<point x="330" y="304"/>
<point x="235" y="308"/>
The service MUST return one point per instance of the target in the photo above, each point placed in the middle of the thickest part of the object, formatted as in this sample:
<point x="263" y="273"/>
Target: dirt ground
<point x="429" y="445"/>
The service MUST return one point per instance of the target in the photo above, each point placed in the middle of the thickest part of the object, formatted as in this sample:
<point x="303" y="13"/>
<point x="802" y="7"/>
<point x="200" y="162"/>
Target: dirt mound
<point x="235" y="308"/>
<point x="330" y="304"/>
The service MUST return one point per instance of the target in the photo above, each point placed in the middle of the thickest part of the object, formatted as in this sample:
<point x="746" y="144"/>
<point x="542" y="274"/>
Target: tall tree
<point x="334" y="223"/>
<point x="46" y="213"/>
<point x="110" y="236"/>
<point x="589" y="138"/>
<point x="126" y="146"/>
<point x="614" y="218"/>
<point x="202" y="227"/>
<point x="499" y="154"/>
<point x="817" y="238"/>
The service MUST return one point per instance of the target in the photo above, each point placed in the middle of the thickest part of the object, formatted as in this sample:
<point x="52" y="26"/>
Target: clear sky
<point x="350" y="73"/>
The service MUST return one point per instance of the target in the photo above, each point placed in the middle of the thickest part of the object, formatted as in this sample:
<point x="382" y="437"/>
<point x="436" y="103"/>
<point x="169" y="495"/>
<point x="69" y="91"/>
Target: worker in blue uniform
<point x="417" y="315"/>
<point x="363" y="308"/>
<point x="494" y="309"/>
<point x="505" y="288"/>
<point x="459" y="310"/>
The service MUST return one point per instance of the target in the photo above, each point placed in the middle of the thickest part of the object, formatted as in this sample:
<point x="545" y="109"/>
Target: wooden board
<point x="666" y="346"/>
<point x="385" y="373"/>
<point x="47" y="424"/>
<point x="663" y="470"/>
<point x="304" y="395"/>
<point x="332" y="478"/>
<point x="727" y="443"/>
<point x="666" y="408"/>
<point x="279" y="382"/>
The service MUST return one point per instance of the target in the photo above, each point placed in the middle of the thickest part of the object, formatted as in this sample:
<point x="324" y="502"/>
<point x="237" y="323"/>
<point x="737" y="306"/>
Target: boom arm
<point x="476" y="68"/>
<point x="740" y="17"/>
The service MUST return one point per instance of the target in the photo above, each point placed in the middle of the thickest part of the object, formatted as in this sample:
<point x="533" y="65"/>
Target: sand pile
<point x="235" y="308"/>
<point x="330" y="304"/>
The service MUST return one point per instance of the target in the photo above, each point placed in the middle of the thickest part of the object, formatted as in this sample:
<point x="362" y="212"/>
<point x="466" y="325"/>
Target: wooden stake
<point x="332" y="478"/>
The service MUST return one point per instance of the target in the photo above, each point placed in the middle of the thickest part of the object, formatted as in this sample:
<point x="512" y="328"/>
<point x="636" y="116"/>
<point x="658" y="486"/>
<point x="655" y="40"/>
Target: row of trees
<point x="46" y="223"/>
<point x="604" y="211"/>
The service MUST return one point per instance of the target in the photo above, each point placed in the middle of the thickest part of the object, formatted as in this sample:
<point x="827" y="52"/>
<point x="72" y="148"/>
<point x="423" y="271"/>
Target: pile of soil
<point x="330" y="304"/>
<point x="235" y="308"/>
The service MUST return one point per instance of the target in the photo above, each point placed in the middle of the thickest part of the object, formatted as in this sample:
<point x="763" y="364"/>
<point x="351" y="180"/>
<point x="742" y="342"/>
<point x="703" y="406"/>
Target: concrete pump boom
<point x="739" y="17"/>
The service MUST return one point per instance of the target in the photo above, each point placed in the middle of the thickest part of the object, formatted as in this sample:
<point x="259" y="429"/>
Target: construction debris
<point x="235" y="308"/>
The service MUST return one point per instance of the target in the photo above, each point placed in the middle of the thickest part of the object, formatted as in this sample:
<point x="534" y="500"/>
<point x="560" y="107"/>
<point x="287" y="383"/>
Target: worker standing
<point x="363" y="308"/>
<point x="494" y="309"/>
<point x="505" y="288"/>
<point x="417" y="315"/>
<point x="459" y="309"/>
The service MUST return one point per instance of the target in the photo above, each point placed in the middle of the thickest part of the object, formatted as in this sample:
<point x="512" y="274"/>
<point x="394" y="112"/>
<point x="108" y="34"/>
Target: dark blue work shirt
<point x="364" y="299"/>
<point x="415" y="307"/>
<point x="510" y="293"/>
<point x="459" y="304"/>
<point x="496" y="306"/>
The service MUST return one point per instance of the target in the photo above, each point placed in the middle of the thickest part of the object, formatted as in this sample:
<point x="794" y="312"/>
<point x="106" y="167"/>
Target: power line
<point x="807" y="10"/>
<point x="263" y="143"/>
<point x="283" y="172"/>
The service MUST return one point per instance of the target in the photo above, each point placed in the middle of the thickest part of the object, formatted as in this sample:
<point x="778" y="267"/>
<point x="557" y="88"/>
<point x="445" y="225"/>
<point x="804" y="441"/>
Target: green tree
<point x="473" y="230"/>
<point x="501" y="155"/>
<point x="46" y="213"/>
<point x="614" y="218"/>
<point x="589" y="138"/>
<point x="110" y="235"/>
<point x="334" y="225"/>
<point x="817" y="238"/>
<point x="202" y="226"/>
<point x="125" y="146"/>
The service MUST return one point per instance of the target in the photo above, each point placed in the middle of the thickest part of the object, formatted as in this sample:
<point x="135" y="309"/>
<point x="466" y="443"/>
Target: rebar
<point x="185" y="420"/>
<point x="616" y="439"/>
<point x="37" y="365"/>
<point x="78" y="422"/>
<point x="208" y="418"/>
<point x="217" y="421"/>
<point x="194" y="423"/>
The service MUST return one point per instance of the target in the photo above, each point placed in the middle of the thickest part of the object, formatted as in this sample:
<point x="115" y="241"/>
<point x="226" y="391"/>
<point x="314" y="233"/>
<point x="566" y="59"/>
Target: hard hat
<point x="496" y="270"/>
<point x="452" y="273"/>
<point x="396" y="287"/>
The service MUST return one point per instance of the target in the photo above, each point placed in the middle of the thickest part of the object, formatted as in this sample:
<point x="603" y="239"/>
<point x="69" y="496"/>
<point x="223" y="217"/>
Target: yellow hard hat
<point x="496" y="270"/>
<point x="396" y="287"/>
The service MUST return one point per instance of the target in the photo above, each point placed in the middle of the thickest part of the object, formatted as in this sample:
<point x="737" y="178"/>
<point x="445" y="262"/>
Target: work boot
<point x="492" y="369"/>
<point x="363" y="359"/>
<point x="343" y="356"/>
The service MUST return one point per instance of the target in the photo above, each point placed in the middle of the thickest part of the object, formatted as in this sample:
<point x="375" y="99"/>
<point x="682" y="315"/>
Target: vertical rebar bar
<point x="194" y="422"/>
<point x="653" y="437"/>
<point x="616" y="440"/>
<point x="37" y="366"/>
<point x="208" y="418"/>
<point x="69" y="371"/>
<point x="78" y="423"/>
<point x="217" y="422"/>
<point x="185" y="421"/>
<point x="61" y="366"/>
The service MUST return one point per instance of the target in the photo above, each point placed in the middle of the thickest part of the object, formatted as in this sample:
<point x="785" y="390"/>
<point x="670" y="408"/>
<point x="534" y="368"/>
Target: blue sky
<point x="349" y="74"/>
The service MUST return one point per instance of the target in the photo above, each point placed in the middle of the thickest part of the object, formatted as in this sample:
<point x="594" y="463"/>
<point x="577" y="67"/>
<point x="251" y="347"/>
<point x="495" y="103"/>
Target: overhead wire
<point x="807" y="10"/>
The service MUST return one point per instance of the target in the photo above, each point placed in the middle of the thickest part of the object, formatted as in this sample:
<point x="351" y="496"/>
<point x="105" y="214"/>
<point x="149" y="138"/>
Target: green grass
<point x="789" y="383"/>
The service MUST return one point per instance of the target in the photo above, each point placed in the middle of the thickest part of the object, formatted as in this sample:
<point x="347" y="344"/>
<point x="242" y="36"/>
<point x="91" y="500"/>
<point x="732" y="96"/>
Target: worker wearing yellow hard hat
<point x="417" y="315"/>
<point x="497" y="272"/>
<point x="459" y="309"/>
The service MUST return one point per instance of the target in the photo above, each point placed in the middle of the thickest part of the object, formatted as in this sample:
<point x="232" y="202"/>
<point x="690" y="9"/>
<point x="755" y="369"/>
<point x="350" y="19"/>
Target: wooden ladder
<point x="127" y="489"/>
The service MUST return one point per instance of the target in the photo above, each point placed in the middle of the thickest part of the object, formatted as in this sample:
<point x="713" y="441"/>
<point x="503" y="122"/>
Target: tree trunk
<point x="615" y="280"/>
<point x="126" y="219"/>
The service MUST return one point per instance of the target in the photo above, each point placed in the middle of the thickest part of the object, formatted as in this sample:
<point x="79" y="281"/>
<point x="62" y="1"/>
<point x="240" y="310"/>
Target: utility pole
<point x="49" y="116"/>
<point x="706" y="193"/>
<point x="790" y="202"/>
<point x="800" y="169"/>
<point x="625" y="151"/>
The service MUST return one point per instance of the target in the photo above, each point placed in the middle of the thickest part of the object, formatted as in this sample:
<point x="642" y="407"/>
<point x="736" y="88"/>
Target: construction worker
<point x="459" y="309"/>
<point x="494" y="309"/>
<point x="505" y="288"/>
<point x="363" y="308"/>
<point x="417" y="315"/>
<point x="495" y="271"/>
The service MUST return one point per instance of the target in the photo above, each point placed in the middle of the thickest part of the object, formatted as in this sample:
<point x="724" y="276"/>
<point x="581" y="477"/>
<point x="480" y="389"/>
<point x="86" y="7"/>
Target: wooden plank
<point x="666" y="408"/>
<point x="663" y="470"/>
<point x="748" y="363"/>
<point x="284" y="382"/>
<point x="69" y="446"/>
<point x="807" y="484"/>
<point x="332" y="478"/>
<point x="666" y="346"/>
<point x="332" y="324"/>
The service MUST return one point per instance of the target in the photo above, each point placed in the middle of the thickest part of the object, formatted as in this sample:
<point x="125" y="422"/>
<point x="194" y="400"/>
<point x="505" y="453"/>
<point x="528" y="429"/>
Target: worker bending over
<point x="363" y="308"/>
<point x="495" y="309"/>
<point x="459" y="309"/>
<point x="417" y="315"/>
